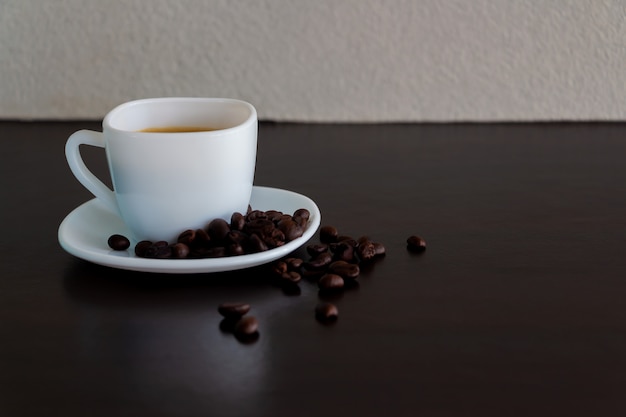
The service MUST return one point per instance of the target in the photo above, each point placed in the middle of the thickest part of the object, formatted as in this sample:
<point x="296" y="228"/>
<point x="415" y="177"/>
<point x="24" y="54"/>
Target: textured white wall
<point x="319" y="60"/>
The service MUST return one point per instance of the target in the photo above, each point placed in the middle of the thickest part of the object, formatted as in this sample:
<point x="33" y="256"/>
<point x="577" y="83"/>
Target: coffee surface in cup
<point x="176" y="129"/>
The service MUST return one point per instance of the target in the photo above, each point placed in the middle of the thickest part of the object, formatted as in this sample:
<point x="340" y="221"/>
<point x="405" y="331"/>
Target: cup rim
<point x="252" y="118"/>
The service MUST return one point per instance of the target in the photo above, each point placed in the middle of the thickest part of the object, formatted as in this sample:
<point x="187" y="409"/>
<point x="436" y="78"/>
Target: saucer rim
<point x="185" y="266"/>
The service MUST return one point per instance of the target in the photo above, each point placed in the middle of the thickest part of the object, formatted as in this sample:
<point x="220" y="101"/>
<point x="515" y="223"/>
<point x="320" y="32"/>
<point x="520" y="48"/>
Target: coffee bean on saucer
<point x="302" y="213"/>
<point x="326" y="312"/>
<point x="290" y="229"/>
<point x="233" y="309"/>
<point x="237" y="221"/>
<point x="142" y="247"/>
<point x="118" y="242"/>
<point x="246" y="326"/>
<point x="159" y="250"/>
<point x="416" y="244"/>
<point x="218" y="229"/>
<point x="180" y="250"/>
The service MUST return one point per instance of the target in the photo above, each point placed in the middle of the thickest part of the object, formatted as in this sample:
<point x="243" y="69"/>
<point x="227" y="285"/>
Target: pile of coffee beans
<point x="332" y="264"/>
<point x="254" y="232"/>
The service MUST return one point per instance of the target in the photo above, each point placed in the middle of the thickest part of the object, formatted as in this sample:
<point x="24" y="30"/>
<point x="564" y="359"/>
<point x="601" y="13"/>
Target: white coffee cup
<point x="167" y="182"/>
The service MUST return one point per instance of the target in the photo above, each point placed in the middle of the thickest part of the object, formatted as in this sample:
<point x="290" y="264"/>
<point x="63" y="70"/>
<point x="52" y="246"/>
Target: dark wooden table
<point x="517" y="308"/>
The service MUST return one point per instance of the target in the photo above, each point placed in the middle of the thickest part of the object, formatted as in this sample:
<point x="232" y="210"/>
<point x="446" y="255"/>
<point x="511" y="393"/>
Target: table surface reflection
<point x="515" y="309"/>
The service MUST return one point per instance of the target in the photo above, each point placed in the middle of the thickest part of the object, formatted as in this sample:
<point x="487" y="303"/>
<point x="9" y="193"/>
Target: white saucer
<point x="85" y="231"/>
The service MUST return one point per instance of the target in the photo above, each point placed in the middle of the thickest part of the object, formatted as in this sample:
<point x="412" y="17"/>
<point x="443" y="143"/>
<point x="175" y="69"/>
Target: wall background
<point x="321" y="60"/>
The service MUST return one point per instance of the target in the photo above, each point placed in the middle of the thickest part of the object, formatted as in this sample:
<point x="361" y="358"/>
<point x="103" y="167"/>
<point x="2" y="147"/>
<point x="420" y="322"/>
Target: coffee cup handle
<point x="80" y="170"/>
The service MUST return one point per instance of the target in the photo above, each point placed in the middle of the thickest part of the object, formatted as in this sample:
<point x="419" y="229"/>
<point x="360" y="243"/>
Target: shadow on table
<point x="87" y="283"/>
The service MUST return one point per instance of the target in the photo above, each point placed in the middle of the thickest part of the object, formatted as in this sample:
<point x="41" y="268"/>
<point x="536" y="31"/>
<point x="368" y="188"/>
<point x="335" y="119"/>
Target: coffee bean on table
<point x="344" y="269"/>
<point x="246" y="326"/>
<point x="416" y="244"/>
<point x="320" y="261"/>
<point x="330" y="282"/>
<point x="366" y="251"/>
<point x="233" y="309"/>
<point x="344" y="251"/>
<point x="316" y="249"/>
<point x="326" y="312"/>
<point x="328" y="234"/>
<point x="379" y="248"/>
<point x="294" y="263"/>
<point x="118" y="242"/>
<point x="291" y="276"/>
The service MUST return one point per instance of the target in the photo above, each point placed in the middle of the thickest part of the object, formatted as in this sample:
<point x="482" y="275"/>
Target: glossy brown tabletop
<point x="517" y="307"/>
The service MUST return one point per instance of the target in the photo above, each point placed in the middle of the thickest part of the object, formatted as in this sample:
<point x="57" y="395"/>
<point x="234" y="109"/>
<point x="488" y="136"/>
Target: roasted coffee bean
<point x="416" y="244"/>
<point x="274" y="215"/>
<point x="294" y="263"/>
<point x="344" y="251"/>
<point x="379" y="248"/>
<point x="255" y="214"/>
<point x="201" y="239"/>
<point x="292" y="276"/>
<point x="363" y="239"/>
<point x="279" y="268"/>
<point x="142" y="247"/>
<point x="328" y="234"/>
<point x="300" y="221"/>
<point x="256" y="244"/>
<point x="237" y="221"/>
<point x="180" y="250"/>
<point x="235" y="249"/>
<point x="187" y="237"/>
<point x="366" y="251"/>
<point x="233" y="309"/>
<point x="259" y="226"/>
<point x="302" y="213"/>
<point x="274" y="238"/>
<point x="159" y="250"/>
<point x="320" y="261"/>
<point x="118" y="242"/>
<point x="316" y="249"/>
<point x="290" y="228"/>
<point x="215" y="252"/>
<point x="236" y="236"/>
<point x="326" y="312"/>
<point x="246" y="326"/>
<point x="344" y="269"/>
<point x="330" y="282"/>
<point x="218" y="229"/>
